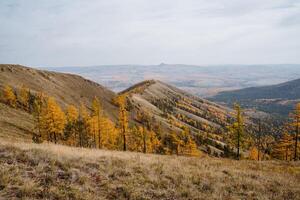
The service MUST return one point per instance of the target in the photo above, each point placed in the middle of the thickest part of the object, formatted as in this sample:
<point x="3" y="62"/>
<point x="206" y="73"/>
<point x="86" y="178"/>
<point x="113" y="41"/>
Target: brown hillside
<point x="66" y="88"/>
<point x="16" y="124"/>
<point x="174" y="108"/>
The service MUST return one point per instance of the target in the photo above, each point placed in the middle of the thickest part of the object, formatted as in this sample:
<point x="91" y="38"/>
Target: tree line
<point x="261" y="144"/>
<point x="91" y="128"/>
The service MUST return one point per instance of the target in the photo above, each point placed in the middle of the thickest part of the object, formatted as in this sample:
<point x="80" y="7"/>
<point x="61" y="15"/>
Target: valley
<point x="200" y="80"/>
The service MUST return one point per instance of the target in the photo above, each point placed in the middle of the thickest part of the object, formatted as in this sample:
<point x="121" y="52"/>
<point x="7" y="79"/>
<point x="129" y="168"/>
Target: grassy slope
<point x="48" y="171"/>
<point x="17" y="123"/>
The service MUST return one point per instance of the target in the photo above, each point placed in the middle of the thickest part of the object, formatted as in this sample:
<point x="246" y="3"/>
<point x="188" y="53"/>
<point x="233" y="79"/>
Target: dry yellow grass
<point x="17" y="123"/>
<point x="48" y="171"/>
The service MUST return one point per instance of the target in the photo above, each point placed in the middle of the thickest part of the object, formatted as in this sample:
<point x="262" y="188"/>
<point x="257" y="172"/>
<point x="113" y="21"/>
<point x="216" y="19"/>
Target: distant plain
<point x="203" y="81"/>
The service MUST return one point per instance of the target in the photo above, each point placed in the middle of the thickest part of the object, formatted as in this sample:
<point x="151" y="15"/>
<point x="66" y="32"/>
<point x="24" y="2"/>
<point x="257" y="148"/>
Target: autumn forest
<point x="89" y="127"/>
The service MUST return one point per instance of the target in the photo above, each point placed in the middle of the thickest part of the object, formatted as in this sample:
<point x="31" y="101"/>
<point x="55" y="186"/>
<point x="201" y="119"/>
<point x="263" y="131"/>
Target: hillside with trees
<point x="65" y="88"/>
<point x="149" y="117"/>
<point x="106" y="145"/>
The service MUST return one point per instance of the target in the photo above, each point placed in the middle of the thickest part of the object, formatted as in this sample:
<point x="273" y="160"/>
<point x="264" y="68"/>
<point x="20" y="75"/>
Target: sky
<point x="99" y="32"/>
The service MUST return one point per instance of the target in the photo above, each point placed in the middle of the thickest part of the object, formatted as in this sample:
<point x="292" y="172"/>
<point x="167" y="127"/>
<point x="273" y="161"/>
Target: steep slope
<point x="278" y="99"/>
<point x="66" y="88"/>
<point x="174" y="109"/>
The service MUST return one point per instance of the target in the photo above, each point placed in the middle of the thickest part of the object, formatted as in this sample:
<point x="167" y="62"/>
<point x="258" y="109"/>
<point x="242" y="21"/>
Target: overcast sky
<point x="96" y="32"/>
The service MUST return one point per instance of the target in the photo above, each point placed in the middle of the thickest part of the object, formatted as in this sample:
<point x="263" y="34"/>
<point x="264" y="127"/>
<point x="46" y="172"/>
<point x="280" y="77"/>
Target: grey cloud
<point x="74" y="32"/>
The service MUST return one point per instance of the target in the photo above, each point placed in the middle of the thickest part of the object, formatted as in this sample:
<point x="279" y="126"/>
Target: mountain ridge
<point x="277" y="99"/>
<point x="66" y="88"/>
<point x="173" y="109"/>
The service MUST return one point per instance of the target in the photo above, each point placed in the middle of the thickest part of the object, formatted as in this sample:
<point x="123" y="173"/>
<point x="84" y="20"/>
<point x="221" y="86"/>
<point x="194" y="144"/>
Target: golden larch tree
<point x="187" y="145"/>
<point x="283" y="148"/>
<point x="70" y="129"/>
<point x="123" y="120"/>
<point x="236" y="130"/>
<point x="38" y="106"/>
<point x="135" y="139"/>
<point x="253" y="154"/>
<point x="109" y="134"/>
<point x="84" y="126"/>
<point x="24" y="97"/>
<point x="143" y="140"/>
<point x="170" y="143"/>
<point x="54" y="120"/>
<point x="9" y="96"/>
<point x="153" y="142"/>
<point x="144" y="132"/>
<point x="93" y="129"/>
<point x="296" y="126"/>
<point x="72" y="114"/>
<point x="97" y="115"/>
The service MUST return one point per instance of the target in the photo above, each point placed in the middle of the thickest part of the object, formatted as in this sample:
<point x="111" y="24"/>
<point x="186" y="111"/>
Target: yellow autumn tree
<point x="153" y="143"/>
<point x="38" y="106"/>
<point x="187" y="145"/>
<point x="138" y="137"/>
<point x="267" y="143"/>
<point x="70" y="129"/>
<point x="296" y="127"/>
<point x="123" y="121"/>
<point x="53" y="120"/>
<point x="84" y="126"/>
<point x="9" y="96"/>
<point x="144" y="133"/>
<point x="24" y="97"/>
<point x="150" y="141"/>
<point x="93" y="130"/>
<point x="109" y="134"/>
<point x="72" y="114"/>
<point x="283" y="148"/>
<point x="236" y="130"/>
<point x="97" y="114"/>
<point x="135" y="139"/>
<point x="253" y="154"/>
<point x="170" y="143"/>
<point x="141" y="139"/>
